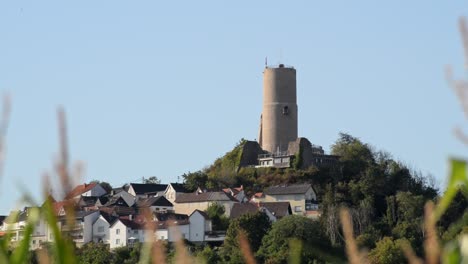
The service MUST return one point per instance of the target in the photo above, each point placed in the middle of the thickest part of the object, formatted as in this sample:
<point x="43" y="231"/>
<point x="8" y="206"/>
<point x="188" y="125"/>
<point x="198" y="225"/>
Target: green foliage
<point x="94" y="253"/>
<point x="297" y="163"/>
<point x="208" y="256"/>
<point x="216" y="213"/>
<point x="126" y="255"/>
<point x="387" y="251"/>
<point x="152" y="180"/>
<point x="275" y="246"/>
<point x="224" y="169"/>
<point x="254" y="226"/>
<point x="193" y="180"/>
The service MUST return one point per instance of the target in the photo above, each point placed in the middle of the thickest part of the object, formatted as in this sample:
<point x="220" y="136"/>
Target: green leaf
<point x="20" y="254"/>
<point x="457" y="181"/>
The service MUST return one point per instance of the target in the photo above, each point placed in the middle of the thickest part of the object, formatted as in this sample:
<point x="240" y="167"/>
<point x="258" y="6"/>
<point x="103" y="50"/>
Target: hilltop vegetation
<point x="385" y="197"/>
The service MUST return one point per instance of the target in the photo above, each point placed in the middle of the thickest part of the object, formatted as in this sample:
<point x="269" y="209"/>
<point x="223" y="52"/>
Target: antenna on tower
<point x="266" y="62"/>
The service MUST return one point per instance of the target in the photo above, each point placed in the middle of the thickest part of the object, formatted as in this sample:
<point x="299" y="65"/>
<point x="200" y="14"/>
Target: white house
<point x="200" y="224"/>
<point x="156" y="204"/>
<point x="101" y="228"/>
<point x="125" y="232"/>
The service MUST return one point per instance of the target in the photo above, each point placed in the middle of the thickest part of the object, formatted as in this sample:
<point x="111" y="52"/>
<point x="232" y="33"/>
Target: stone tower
<point x="278" y="122"/>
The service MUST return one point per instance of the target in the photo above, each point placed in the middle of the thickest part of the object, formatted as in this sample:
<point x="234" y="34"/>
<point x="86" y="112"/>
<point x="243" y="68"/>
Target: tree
<point x="216" y="213"/>
<point x="255" y="227"/>
<point x="387" y="251"/>
<point x="193" y="180"/>
<point x="315" y="244"/>
<point x="104" y="185"/>
<point x="94" y="253"/>
<point x="208" y="256"/>
<point x="152" y="180"/>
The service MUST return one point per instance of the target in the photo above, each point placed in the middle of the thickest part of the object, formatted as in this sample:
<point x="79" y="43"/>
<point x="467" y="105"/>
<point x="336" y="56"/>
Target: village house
<point x="238" y="193"/>
<point x="101" y="227"/>
<point x="240" y="209"/>
<point x="126" y="232"/>
<point x="145" y="190"/>
<point x="155" y="204"/>
<point x="173" y="190"/>
<point x="124" y="195"/>
<point x="172" y="226"/>
<point x="187" y="203"/>
<point x="82" y="231"/>
<point x="92" y="189"/>
<point x="301" y="197"/>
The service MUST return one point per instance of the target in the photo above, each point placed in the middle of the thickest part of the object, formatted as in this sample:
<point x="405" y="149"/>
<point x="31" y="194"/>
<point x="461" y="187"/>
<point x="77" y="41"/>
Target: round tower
<point x="279" y="115"/>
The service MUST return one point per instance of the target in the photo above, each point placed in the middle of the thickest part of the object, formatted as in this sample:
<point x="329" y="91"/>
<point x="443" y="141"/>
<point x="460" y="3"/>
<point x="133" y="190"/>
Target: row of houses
<point x="138" y="212"/>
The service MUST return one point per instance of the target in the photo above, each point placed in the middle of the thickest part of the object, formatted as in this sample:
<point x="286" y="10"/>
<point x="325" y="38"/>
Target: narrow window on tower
<point x="285" y="110"/>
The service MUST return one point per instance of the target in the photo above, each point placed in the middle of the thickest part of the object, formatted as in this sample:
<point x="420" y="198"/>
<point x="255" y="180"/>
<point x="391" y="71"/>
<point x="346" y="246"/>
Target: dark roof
<point x="103" y="199"/>
<point x="88" y="200"/>
<point x="288" y="189"/>
<point x="78" y="215"/>
<point x="240" y="209"/>
<point x="2" y="218"/>
<point x="204" y="197"/>
<point x="132" y="224"/>
<point x="204" y="214"/>
<point x="118" y="210"/>
<point x="144" y="188"/>
<point x="170" y="216"/>
<point x="278" y="209"/>
<point x="154" y="201"/>
<point x="179" y="187"/>
<point x="109" y="217"/>
<point x="116" y="200"/>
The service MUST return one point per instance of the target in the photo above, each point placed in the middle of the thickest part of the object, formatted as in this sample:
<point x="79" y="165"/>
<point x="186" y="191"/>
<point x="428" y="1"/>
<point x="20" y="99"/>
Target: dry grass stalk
<point x="3" y="129"/>
<point x="158" y="253"/>
<point x="43" y="256"/>
<point x="460" y="87"/>
<point x="245" y="248"/>
<point x="181" y="254"/>
<point x="62" y="166"/>
<point x="464" y="34"/>
<point x="354" y="255"/>
<point x="431" y="243"/>
<point x="410" y="255"/>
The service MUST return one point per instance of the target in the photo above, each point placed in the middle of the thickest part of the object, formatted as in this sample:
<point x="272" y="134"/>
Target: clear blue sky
<point x="165" y="87"/>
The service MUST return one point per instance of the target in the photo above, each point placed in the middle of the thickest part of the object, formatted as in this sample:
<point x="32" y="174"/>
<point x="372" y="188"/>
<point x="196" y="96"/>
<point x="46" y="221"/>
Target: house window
<point x="135" y="232"/>
<point x="117" y="241"/>
<point x="117" y="231"/>
<point x="100" y="229"/>
<point x="297" y="208"/>
<point x="34" y="242"/>
<point x="286" y="110"/>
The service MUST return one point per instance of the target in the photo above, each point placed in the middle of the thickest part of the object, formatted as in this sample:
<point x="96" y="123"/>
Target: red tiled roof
<point x="80" y="189"/>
